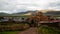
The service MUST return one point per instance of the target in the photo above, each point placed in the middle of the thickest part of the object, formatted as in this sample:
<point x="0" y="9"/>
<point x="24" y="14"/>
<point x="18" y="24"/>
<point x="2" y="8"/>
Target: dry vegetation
<point x="13" y="27"/>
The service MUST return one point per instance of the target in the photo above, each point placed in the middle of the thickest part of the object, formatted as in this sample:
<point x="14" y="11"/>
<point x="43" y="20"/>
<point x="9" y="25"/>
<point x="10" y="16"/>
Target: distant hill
<point x="18" y="14"/>
<point x="53" y="13"/>
<point x="4" y="14"/>
<point x="25" y="13"/>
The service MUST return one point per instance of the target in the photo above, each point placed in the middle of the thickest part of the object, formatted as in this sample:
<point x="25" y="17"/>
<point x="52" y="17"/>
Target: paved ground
<point x="32" y="30"/>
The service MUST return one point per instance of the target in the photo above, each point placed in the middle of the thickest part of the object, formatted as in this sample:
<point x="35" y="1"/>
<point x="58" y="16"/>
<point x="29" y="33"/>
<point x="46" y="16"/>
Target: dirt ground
<point x="31" y="30"/>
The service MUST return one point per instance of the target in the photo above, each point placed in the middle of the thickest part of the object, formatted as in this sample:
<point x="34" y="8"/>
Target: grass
<point x="11" y="26"/>
<point x="48" y="30"/>
<point x="9" y="32"/>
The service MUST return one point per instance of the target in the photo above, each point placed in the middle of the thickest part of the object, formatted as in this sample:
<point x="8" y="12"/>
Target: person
<point x="22" y="20"/>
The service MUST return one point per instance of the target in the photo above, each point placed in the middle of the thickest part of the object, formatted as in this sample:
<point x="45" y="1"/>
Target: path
<point x="29" y="31"/>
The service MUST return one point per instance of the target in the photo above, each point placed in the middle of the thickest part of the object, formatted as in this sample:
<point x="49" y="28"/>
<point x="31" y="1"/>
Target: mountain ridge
<point x="32" y="13"/>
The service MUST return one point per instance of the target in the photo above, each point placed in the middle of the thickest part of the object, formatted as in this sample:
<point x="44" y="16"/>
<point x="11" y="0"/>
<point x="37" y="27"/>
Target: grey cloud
<point x="11" y="5"/>
<point x="54" y="4"/>
<point x="7" y="5"/>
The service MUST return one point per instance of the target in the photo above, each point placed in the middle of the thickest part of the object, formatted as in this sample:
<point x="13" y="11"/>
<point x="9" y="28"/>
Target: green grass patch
<point x="48" y="30"/>
<point x="9" y="32"/>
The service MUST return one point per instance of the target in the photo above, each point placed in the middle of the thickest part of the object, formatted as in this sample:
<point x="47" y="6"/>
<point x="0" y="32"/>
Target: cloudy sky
<point x="11" y="6"/>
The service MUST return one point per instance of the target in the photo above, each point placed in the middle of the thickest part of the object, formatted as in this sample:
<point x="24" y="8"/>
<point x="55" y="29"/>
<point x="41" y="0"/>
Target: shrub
<point x="14" y="27"/>
<point x="48" y="30"/>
